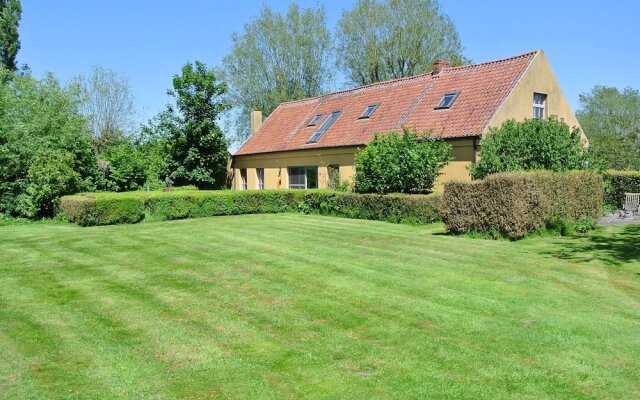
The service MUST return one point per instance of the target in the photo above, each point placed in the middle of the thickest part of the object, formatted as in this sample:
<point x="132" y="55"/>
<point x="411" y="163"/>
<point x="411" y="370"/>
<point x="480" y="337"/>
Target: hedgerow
<point x="131" y="207"/>
<point x="516" y="204"/>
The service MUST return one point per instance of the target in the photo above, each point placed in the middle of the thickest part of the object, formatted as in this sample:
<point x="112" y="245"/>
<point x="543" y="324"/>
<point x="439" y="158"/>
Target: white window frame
<point x="260" y="178"/>
<point x="243" y="179"/>
<point x="539" y="107"/>
<point x="305" y="168"/>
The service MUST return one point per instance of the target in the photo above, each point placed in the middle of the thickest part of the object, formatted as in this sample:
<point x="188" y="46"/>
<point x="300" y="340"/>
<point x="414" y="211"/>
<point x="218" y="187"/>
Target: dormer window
<point x="324" y="127"/>
<point x="314" y="121"/>
<point x="368" y="112"/>
<point x="447" y="100"/>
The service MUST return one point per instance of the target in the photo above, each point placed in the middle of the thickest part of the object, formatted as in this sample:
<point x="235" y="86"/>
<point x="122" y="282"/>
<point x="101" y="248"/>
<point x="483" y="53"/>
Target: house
<point x="311" y="143"/>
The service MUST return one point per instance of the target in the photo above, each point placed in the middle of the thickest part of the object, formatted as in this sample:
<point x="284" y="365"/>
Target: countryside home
<point x="311" y="143"/>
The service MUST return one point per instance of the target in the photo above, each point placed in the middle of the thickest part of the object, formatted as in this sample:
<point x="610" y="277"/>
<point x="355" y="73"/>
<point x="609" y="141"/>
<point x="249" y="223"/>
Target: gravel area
<point x="617" y="218"/>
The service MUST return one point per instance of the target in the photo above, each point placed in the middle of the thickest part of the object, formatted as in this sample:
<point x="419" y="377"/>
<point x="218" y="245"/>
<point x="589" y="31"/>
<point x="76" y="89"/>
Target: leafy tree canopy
<point x="277" y="58"/>
<point x="10" y="14"/>
<point x="45" y="149"/>
<point x="107" y="103"/>
<point x="197" y="151"/>
<point x="407" y="163"/>
<point x="381" y="40"/>
<point x="533" y="144"/>
<point x="611" y="120"/>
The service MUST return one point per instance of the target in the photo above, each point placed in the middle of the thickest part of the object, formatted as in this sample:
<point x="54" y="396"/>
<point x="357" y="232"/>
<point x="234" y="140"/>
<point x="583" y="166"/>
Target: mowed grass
<point x="292" y="306"/>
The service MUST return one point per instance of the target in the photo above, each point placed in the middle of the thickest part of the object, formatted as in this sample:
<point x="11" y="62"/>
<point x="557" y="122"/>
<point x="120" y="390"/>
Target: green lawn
<point x="291" y="306"/>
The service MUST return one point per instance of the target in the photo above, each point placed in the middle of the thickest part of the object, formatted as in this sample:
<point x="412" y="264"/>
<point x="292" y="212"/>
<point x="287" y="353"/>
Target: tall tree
<point x="107" y="103"/>
<point x="197" y="149"/>
<point x="611" y="120"/>
<point x="381" y="40"/>
<point x="278" y="58"/>
<point x="10" y="13"/>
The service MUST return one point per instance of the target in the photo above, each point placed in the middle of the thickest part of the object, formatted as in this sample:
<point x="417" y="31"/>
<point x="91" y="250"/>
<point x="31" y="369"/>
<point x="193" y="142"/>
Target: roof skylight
<point x="325" y="126"/>
<point x="447" y="100"/>
<point x="314" y="121"/>
<point x="369" y="111"/>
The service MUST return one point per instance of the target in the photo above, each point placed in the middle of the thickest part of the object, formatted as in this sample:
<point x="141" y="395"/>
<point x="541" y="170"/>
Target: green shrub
<point x="48" y="179"/>
<point x="45" y="149"/>
<point x="584" y="225"/>
<point x="80" y="209"/>
<point x="617" y="183"/>
<point x="419" y="209"/>
<point x="516" y="204"/>
<point x="126" y="168"/>
<point x="407" y="163"/>
<point x="131" y="207"/>
<point x="530" y="145"/>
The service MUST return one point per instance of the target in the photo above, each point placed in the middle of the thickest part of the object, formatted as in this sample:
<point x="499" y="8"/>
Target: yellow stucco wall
<point x="276" y="173"/>
<point x="538" y="78"/>
<point x="275" y="166"/>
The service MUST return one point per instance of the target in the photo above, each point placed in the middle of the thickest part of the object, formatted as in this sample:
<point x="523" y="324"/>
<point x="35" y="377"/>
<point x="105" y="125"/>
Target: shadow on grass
<point x="613" y="248"/>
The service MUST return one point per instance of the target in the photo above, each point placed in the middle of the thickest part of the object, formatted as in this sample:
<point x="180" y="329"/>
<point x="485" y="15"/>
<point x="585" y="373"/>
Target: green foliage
<point x="381" y="40"/>
<point x="278" y="58"/>
<point x="10" y="14"/>
<point x="48" y="179"/>
<point x="611" y="120"/>
<point x="617" y="183"/>
<point x="397" y="208"/>
<point x="407" y="163"/>
<point x="107" y="104"/>
<point x="584" y="225"/>
<point x="40" y="130"/>
<point x="197" y="148"/>
<point x="126" y="168"/>
<point x="517" y="204"/>
<point x="530" y="145"/>
<point x="131" y="207"/>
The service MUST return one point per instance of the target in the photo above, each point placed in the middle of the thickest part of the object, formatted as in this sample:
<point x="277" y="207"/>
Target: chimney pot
<point x="255" y="121"/>
<point x="439" y="65"/>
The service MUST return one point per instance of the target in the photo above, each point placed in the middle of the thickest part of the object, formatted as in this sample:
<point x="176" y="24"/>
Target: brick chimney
<point x="255" y="121"/>
<point x="439" y="65"/>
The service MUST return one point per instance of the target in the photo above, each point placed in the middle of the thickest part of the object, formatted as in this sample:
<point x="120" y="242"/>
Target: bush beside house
<point x="530" y="145"/>
<point x="406" y="163"/>
<point x="516" y="204"/>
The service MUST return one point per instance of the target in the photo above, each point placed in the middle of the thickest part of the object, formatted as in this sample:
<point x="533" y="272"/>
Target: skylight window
<point x="369" y="111"/>
<point x="447" y="100"/>
<point x="324" y="127"/>
<point x="314" y="121"/>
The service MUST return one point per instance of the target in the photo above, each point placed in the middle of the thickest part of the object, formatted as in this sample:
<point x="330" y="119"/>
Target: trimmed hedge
<point x="516" y="204"/>
<point x="617" y="183"/>
<point x="396" y="208"/>
<point x="131" y="207"/>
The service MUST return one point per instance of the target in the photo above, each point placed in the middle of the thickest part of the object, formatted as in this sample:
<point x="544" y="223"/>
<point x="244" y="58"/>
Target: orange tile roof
<point x="402" y="102"/>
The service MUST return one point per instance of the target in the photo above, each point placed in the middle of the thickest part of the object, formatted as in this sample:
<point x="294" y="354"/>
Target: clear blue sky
<point x="587" y="42"/>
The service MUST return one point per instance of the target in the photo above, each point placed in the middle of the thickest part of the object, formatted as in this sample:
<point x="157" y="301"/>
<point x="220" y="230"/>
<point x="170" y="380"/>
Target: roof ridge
<point x="469" y="66"/>
<point x="406" y="78"/>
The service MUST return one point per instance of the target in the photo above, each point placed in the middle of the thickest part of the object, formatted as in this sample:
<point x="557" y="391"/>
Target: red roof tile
<point x="406" y="102"/>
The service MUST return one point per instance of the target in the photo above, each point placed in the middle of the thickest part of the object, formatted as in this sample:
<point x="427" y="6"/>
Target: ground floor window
<point x="260" y="175"/>
<point x="303" y="177"/>
<point x="243" y="179"/>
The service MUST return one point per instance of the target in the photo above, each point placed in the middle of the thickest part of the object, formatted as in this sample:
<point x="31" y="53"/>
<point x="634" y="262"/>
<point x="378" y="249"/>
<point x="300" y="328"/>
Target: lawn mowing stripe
<point x="371" y="345"/>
